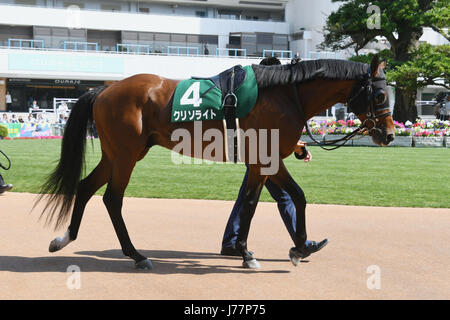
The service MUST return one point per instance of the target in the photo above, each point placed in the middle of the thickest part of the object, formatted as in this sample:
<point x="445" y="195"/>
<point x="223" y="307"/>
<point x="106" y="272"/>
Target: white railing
<point x="184" y="51"/>
<point x="80" y="46"/>
<point x="133" y="48"/>
<point x="283" y="54"/>
<point x="314" y="55"/>
<point x="230" y="52"/>
<point x="26" y="43"/>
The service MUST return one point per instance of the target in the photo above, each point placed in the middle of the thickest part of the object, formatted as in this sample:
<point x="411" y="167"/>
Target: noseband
<point x="371" y="113"/>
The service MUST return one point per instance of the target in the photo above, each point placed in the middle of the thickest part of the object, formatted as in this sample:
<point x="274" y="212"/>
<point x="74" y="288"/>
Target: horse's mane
<point x="274" y="75"/>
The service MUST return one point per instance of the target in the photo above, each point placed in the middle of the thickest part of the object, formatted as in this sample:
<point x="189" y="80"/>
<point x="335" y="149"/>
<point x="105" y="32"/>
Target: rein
<point x="362" y="128"/>
<point x="9" y="161"/>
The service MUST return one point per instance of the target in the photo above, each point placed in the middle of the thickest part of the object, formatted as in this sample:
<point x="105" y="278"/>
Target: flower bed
<point x="33" y="138"/>
<point x="420" y="133"/>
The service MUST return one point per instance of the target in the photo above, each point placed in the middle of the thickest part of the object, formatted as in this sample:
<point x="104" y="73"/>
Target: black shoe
<point x="311" y="247"/>
<point x="232" y="251"/>
<point x="5" y="187"/>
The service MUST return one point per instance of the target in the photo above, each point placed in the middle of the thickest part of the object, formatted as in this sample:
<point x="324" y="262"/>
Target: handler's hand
<point x="299" y="150"/>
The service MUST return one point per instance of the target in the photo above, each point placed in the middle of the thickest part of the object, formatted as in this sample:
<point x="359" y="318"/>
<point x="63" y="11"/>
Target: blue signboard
<point x="65" y="63"/>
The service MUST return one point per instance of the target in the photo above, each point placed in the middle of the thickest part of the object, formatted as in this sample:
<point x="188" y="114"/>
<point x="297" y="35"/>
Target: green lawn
<point x="407" y="177"/>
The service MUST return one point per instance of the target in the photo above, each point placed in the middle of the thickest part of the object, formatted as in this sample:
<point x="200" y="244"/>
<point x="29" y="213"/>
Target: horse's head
<point x="369" y="100"/>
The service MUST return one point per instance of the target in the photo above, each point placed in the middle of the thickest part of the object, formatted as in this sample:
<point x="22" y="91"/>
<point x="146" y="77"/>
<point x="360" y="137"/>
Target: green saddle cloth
<point x="202" y="99"/>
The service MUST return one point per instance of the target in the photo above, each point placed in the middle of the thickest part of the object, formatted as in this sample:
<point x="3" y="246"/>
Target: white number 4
<point x="193" y="90"/>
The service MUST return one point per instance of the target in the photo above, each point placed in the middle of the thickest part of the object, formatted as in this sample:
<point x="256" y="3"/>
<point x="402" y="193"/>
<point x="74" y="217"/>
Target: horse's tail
<point x="61" y="185"/>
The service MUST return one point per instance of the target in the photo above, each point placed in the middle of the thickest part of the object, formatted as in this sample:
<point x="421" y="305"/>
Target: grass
<point x="403" y="177"/>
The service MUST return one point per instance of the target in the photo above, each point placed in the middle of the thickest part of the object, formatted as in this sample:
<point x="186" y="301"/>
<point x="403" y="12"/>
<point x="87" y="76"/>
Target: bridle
<point x="371" y="112"/>
<point x="374" y="107"/>
<point x="9" y="161"/>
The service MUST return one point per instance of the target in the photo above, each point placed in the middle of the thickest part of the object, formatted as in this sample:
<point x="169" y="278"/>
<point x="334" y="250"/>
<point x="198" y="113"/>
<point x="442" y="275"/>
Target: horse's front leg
<point x="253" y="189"/>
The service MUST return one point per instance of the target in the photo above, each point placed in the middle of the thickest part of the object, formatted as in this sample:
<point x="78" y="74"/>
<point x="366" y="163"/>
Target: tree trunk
<point x="405" y="105"/>
<point x="405" y="100"/>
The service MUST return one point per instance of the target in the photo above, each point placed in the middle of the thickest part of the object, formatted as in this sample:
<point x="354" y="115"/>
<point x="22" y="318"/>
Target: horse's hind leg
<point x="86" y="189"/>
<point x="113" y="199"/>
<point x="255" y="184"/>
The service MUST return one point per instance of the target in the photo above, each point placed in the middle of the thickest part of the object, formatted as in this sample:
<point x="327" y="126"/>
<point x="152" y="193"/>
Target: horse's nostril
<point x="390" y="137"/>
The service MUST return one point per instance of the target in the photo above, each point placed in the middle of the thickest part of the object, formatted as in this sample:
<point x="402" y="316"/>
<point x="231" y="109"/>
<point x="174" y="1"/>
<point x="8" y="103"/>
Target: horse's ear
<point x="374" y="65"/>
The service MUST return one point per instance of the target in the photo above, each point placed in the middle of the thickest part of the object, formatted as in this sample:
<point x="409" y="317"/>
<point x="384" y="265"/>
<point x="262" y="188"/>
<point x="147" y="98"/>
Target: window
<point x="144" y="10"/>
<point x="264" y="38"/>
<point x="25" y="2"/>
<point x="208" y="39"/>
<point x="111" y="7"/>
<point x="201" y="14"/>
<point x="229" y="14"/>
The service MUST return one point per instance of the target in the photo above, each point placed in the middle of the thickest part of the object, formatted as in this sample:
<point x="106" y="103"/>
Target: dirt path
<point x="374" y="253"/>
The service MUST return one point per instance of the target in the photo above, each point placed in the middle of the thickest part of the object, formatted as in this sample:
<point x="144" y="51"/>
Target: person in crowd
<point x="62" y="120"/>
<point x="8" y="101"/>
<point x="41" y="121"/>
<point x="63" y="109"/>
<point x="30" y="119"/>
<point x="14" y="119"/>
<point x="442" y="109"/>
<point x="5" y="118"/>
<point x="35" y="106"/>
<point x="20" y="119"/>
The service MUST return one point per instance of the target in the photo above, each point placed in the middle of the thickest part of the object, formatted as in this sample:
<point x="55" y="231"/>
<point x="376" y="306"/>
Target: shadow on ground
<point x="164" y="262"/>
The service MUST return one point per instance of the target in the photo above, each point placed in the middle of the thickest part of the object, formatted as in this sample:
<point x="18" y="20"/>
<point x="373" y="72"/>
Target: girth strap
<point x="231" y="124"/>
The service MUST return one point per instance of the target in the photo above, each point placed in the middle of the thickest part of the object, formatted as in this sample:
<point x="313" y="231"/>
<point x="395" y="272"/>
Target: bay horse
<point x="134" y="114"/>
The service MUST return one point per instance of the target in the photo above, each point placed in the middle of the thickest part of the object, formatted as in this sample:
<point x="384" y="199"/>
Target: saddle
<point x="225" y="81"/>
<point x="228" y="81"/>
<point x="228" y="96"/>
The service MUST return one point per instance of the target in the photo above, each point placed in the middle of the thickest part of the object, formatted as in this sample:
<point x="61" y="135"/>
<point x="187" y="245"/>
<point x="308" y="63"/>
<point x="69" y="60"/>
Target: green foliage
<point x="429" y="65"/>
<point x="384" y="55"/>
<point x="3" y="131"/>
<point x="439" y="17"/>
<point x="401" y="23"/>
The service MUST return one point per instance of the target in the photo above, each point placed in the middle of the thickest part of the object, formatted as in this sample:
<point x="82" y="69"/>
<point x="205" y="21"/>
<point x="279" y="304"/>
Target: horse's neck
<point x="318" y="95"/>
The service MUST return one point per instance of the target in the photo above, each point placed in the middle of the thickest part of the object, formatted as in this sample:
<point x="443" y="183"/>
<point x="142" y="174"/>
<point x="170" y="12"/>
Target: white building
<point x="58" y="48"/>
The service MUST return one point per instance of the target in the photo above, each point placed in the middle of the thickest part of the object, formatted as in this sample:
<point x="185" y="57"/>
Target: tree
<point x="428" y="66"/>
<point x="401" y="22"/>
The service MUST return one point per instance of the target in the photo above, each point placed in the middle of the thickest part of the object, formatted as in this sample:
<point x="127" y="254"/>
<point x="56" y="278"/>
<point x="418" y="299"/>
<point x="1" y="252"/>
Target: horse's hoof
<point x="144" y="265"/>
<point x="251" y="264"/>
<point x="295" y="256"/>
<point x="54" y="246"/>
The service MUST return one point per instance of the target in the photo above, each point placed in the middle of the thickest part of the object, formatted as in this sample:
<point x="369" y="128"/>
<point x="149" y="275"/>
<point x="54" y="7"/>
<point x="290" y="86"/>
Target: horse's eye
<point x="380" y="97"/>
